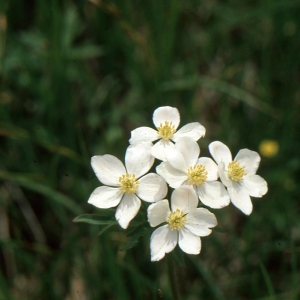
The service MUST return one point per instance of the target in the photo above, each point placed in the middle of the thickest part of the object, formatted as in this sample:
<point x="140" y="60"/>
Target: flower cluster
<point x="193" y="178"/>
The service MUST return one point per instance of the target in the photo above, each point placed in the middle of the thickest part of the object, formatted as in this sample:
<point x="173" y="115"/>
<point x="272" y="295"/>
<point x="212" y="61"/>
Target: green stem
<point x="173" y="278"/>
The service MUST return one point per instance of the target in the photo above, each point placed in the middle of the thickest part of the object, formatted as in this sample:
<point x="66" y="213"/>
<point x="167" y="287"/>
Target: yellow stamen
<point x="128" y="183"/>
<point x="176" y="219"/>
<point x="235" y="171"/>
<point x="196" y="175"/>
<point x="166" y="131"/>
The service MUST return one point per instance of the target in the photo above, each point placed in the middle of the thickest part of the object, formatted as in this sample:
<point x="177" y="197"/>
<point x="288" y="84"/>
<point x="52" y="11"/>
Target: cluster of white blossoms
<point x="193" y="178"/>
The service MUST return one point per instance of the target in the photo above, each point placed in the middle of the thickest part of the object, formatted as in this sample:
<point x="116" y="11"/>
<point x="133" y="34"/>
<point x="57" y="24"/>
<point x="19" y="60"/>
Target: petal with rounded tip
<point x="138" y="159"/>
<point x="158" y="149"/>
<point x="176" y="159"/>
<point x="127" y="209"/>
<point x="105" y="197"/>
<point x="184" y="198"/>
<point x="162" y="241"/>
<point x="189" y="149"/>
<point x="220" y="152"/>
<point x="108" y="169"/>
<point x="158" y="212"/>
<point x="254" y="185"/>
<point x="188" y="242"/>
<point x="175" y="178"/>
<point x="240" y="198"/>
<point x="192" y="130"/>
<point x="143" y="134"/>
<point x="210" y="167"/>
<point x="249" y="159"/>
<point x="166" y="114"/>
<point x="199" y="221"/>
<point x="152" y="188"/>
<point x="213" y="194"/>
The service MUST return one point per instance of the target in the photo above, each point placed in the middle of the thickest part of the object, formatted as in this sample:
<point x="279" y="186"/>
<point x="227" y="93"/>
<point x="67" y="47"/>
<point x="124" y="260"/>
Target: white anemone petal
<point x="192" y="130"/>
<point x="166" y="114"/>
<point x="220" y="152"/>
<point x="188" y="242"/>
<point x="158" y="149"/>
<point x="249" y="159"/>
<point x="255" y="185"/>
<point x="240" y="198"/>
<point x="108" y="169"/>
<point x="127" y="209"/>
<point x="210" y="167"/>
<point x="175" y="178"/>
<point x="152" y="187"/>
<point x="162" y="241"/>
<point x="143" y="134"/>
<point x="199" y="221"/>
<point x="184" y="198"/>
<point x="213" y="194"/>
<point x="138" y="159"/>
<point x="105" y="197"/>
<point x="158" y="212"/>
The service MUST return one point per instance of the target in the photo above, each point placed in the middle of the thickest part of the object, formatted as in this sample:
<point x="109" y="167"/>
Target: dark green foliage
<point x="77" y="77"/>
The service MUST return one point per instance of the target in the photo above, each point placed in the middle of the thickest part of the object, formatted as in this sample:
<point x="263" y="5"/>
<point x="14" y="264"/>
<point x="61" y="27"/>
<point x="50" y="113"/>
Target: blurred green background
<point x="78" y="76"/>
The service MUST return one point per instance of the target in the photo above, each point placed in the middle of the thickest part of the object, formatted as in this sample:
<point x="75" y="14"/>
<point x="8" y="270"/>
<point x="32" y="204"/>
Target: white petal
<point x="249" y="159"/>
<point x="213" y="194"/>
<point x="173" y="177"/>
<point x="176" y="159"/>
<point x="166" y="114"/>
<point x="143" y="134"/>
<point x="220" y="152"/>
<point x="158" y="212"/>
<point x="188" y="242"/>
<point x="105" y="197"/>
<point x="108" y="169"/>
<point x="192" y="130"/>
<point x="152" y="188"/>
<point x="200" y="221"/>
<point x="240" y="198"/>
<point x="184" y="198"/>
<point x="127" y="209"/>
<point x="222" y="173"/>
<point x="162" y="241"/>
<point x="138" y="159"/>
<point x="189" y="149"/>
<point x="255" y="185"/>
<point x="210" y="167"/>
<point x="158" y="150"/>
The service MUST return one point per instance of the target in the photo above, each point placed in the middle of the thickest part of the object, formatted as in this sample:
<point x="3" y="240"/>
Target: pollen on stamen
<point x="128" y="184"/>
<point x="166" y="131"/>
<point x="196" y="175"/>
<point x="176" y="219"/>
<point x="235" y="171"/>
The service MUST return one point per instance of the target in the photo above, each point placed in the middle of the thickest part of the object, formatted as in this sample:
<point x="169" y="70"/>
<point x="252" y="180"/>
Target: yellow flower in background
<point x="268" y="148"/>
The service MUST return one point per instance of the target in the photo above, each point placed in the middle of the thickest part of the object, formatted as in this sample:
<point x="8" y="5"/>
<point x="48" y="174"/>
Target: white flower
<point x="166" y="120"/>
<point x="238" y="175"/>
<point x="185" y="223"/>
<point x="183" y="166"/>
<point x="125" y="185"/>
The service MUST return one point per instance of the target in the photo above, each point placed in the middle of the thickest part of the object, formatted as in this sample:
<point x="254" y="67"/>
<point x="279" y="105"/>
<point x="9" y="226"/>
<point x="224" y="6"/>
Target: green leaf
<point x="95" y="219"/>
<point x="138" y="232"/>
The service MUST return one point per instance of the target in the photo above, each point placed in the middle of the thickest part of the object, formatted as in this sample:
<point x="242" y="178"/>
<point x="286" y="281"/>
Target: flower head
<point x="166" y="120"/>
<point x="238" y="175"/>
<point x="185" y="223"/>
<point x="125" y="186"/>
<point x="184" y="167"/>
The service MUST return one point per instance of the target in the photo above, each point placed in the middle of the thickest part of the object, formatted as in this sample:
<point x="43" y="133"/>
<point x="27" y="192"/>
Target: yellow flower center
<point x="196" y="175"/>
<point x="128" y="184"/>
<point x="166" y="131"/>
<point x="235" y="171"/>
<point x="176" y="219"/>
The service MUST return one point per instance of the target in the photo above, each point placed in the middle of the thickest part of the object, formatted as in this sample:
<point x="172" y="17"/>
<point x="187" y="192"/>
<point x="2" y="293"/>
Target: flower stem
<point x="173" y="278"/>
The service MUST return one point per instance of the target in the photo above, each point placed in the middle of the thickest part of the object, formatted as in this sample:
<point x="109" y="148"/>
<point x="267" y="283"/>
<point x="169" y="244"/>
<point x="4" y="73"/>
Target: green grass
<point x="76" y="78"/>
